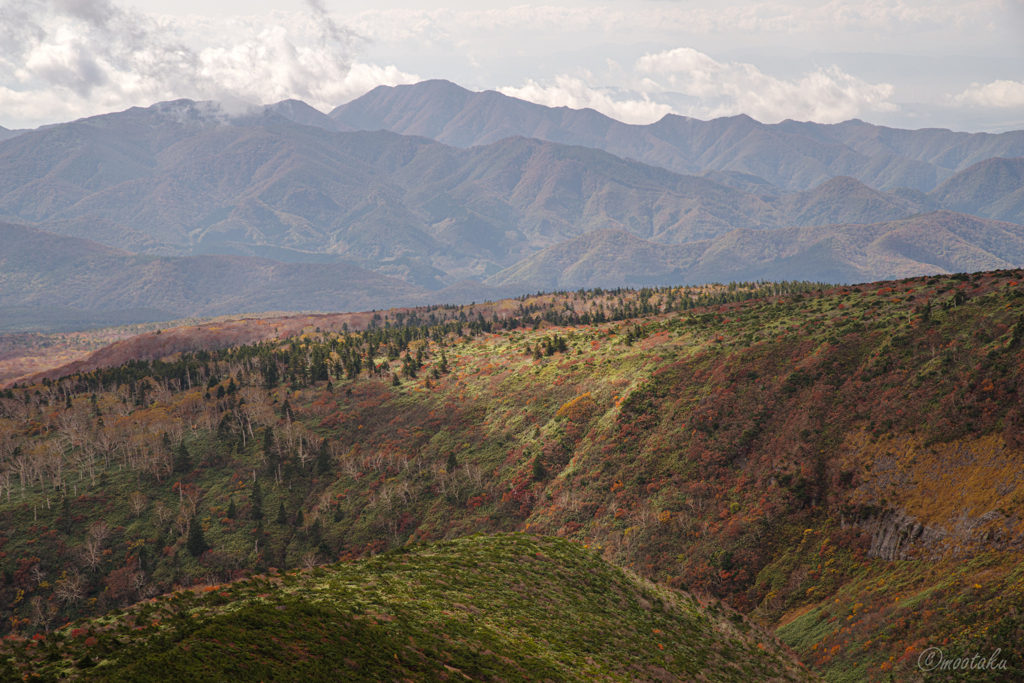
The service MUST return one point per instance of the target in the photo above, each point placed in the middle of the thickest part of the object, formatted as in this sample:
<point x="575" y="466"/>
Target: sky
<point x="903" y="63"/>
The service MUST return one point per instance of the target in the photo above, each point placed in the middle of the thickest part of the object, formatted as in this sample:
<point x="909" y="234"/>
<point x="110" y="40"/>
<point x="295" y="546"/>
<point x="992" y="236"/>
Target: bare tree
<point x="38" y="573"/>
<point x="5" y="484"/>
<point x="70" y="587"/>
<point x="182" y="522"/>
<point x="163" y="513"/>
<point x="100" y="531"/>
<point x="137" y="502"/>
<point x="90" y="553"/>
<point x="42" y="613"/>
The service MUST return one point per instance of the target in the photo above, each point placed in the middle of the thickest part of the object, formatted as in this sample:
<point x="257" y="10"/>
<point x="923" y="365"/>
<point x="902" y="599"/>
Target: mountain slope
<point x="183" y="177"/>
<point x="993" y="188"/>
<point x="281" y="182"/>
<point x="429" y="614"/>
<point x="939" y="242"/>
<point x="41" y="269"/>
<point x="190" y="177"/>
<point x="843" y="200"/>
<point x="6" y="134"/>
<point x="790" y="155"/>
<point x="840" y="464"/>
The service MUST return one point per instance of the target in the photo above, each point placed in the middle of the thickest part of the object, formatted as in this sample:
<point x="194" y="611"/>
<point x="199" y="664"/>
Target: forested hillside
<point x="840" y="464"/>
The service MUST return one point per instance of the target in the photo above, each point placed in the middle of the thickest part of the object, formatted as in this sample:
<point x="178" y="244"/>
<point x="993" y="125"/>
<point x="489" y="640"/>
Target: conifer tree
<point x="182" y="459"/>
<point x="268" y="368"/>
<point x="256" y="499"/>
<point x="282" y="516"/>
<point x="196" y="543"/>
<point x="1018" y="333"/>
<point x="232" y="512"/>
<point x="452" y="462"/>
<point x="538" y="468"/>
<point x="323" y="459"/>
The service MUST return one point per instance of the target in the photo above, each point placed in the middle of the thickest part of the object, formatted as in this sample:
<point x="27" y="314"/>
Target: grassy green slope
<point x="500" y="608"/>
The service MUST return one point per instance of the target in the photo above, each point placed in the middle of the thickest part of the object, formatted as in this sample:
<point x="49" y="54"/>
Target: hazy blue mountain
<point x="189" y="178"/>
<point x="185" y="177"/>
<point x="266" y="192"/>
<point x="6" y="133"/>
<point x="790" y="155"/>
<point x="45" y="271"/>
<point x="938" y="242"/>
<point x="993" y="188"/>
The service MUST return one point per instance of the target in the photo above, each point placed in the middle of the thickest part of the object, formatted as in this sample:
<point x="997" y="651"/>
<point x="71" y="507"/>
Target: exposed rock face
<point x="893" y="534"/>
<point x="896" y="535"/>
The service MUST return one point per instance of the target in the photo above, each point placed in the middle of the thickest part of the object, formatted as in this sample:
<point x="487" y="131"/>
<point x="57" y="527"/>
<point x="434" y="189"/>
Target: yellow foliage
<point x="578" y="409"/>
<point x="943" y="482"/>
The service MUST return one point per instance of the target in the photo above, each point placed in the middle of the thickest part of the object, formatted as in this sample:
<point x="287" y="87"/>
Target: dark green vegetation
<point x="500" y="608"/>
<point x="840" y="464"/>
<point x="737" y="150"/>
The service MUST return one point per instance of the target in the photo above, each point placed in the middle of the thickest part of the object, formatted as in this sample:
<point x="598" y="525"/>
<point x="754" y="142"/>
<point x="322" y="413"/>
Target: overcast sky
<point x="906" y="63"/>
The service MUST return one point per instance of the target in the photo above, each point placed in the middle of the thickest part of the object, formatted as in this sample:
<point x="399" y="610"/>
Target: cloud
<point x="575" y="94"/>
<point x="70" y="58"/>
<point x="724" y="89"/>
<point x="873" y="16"/>
<point x="995" y="94"/>
<point x="712" y="89"/>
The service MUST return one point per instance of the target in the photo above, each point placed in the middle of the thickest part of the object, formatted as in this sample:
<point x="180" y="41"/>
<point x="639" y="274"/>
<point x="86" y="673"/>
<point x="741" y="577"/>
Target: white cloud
<point x="724" y="89"/>
<point x="995" y="94"/>
<point x="575" y="94"/>
<point x="714" y="89"/>
<point x="62" y="59"/>
<point x="75" y="58"/>
<point x="886" y="16"/>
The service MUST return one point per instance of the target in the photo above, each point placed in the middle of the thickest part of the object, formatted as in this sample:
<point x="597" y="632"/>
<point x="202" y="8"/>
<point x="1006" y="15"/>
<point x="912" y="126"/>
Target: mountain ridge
<point x="883" y="158"/>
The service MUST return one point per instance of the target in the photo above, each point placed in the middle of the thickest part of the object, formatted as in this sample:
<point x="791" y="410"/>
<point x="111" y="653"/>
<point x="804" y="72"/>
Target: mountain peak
<point x="299" y="112"/>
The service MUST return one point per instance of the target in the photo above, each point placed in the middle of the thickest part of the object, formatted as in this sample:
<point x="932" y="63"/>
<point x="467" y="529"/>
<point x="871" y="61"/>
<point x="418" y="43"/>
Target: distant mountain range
<point x="43" y="270"/>
<point x="208" y="208"/>
<point x="925" y="244"/>
<point x="790" y="155"/>
<point x="6" y="133"/>
<point x="46" y="271"/>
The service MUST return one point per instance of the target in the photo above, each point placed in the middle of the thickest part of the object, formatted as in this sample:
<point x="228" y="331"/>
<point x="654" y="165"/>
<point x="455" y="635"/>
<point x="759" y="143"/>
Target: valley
<point x="819" y="458"/>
